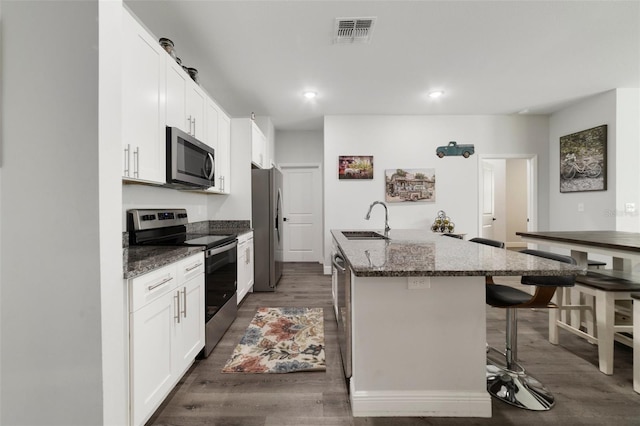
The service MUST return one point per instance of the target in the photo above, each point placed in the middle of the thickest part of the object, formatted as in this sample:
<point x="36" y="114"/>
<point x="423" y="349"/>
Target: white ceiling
<point x="490" y="57"/>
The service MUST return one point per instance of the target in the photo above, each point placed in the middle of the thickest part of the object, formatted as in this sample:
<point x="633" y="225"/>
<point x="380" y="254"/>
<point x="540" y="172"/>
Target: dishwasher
<point x="343" y="316"/>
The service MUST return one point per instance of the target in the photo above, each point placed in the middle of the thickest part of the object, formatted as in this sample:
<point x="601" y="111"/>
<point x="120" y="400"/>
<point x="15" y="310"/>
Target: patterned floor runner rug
<point x="281" y="340"/>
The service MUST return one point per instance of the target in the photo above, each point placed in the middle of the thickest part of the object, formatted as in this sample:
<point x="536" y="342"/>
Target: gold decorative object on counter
<point x="443" y="223"/>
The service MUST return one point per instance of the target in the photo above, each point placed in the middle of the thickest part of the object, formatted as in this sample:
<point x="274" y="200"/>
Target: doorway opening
<point x="508" y="201"/>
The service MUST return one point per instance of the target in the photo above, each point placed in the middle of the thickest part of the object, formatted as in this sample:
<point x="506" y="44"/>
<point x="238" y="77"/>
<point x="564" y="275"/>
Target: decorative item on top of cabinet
<point x="168" y="45"/>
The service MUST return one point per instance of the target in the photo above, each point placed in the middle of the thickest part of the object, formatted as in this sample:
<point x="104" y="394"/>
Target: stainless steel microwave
<point x="190" y="163"/>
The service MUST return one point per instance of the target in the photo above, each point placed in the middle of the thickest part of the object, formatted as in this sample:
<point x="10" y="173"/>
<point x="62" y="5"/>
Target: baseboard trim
<point x="420" y="404"/>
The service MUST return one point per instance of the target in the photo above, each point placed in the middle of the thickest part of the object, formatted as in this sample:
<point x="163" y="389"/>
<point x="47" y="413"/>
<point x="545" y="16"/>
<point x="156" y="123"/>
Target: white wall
<point x="299" y="147"/>
<point x="599" y="206"/>
<point x="627" y="159"/>
<point x="113" y="291"/>
<point x="150" y="197"/>
<point x="410" y="142"/>
<point x="50" y="266"/>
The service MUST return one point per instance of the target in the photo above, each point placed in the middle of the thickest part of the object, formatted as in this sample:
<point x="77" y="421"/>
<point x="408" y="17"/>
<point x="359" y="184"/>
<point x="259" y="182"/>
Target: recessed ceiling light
<point x="310" y="95"/>
<point x="436" y="94"/>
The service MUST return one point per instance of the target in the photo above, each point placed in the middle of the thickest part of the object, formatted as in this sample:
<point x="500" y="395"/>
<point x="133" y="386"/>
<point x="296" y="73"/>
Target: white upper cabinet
<point x="218" y="135"/>
<point x="223" y="153"/>
<point x="142" y="104"/>
<point x="186" y="102"/>
<point x="196" y="107"/>
<point x="258" y="147"/>
<point x="176" y="94"/>
<point x="157" y="93"/>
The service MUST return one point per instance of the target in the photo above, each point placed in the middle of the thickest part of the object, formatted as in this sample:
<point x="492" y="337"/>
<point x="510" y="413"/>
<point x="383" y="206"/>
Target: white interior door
<point x="302" y="187"/>
<point x="488" y="200"/>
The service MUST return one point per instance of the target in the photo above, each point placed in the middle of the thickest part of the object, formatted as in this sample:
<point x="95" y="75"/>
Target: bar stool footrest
<point x="518" y="389"/>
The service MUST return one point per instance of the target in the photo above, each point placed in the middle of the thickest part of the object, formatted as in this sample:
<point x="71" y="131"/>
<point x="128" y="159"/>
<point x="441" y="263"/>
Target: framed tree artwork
<point x="583" y="160"/>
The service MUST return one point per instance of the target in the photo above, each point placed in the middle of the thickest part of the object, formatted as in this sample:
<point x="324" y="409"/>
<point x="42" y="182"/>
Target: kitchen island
<point x="415" y="308"/>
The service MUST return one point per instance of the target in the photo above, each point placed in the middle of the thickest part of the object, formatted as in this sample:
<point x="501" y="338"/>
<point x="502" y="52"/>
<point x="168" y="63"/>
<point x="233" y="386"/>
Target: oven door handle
<point x="222" y="249"/>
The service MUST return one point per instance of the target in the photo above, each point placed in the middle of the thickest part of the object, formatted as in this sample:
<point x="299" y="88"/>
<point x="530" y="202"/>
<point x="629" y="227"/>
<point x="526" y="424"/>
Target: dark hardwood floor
<point x="205" y="396"/>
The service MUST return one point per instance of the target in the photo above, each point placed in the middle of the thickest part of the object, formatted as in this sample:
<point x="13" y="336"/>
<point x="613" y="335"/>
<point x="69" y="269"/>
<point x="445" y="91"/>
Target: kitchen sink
<point x="363" y="235"/>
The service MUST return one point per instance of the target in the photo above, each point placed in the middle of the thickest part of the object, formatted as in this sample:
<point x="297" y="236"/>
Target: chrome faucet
<point x="386" y="215"/>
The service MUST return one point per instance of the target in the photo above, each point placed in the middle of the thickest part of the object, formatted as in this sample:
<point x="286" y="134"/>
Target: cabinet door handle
<point x="247" y="256"/>
<point x="166" y="280"/>
<point x="136" y="162"/>
<point x="184" y="304"/>
<point x="176" y="316"/>
<point x="189" y="120"/>
<point x="127" y="150"/>
<point x="193" y="267"/>
<point x="194" y="126"/>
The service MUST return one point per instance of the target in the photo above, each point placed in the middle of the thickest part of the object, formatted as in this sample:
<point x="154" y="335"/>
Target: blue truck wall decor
<point x="454" y="149"/>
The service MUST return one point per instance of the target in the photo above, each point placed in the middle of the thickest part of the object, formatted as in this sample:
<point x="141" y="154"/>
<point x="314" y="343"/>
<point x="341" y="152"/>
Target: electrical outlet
<point x="630" y="207"/>
<point x="417" y="283"/>
<point x="580" y="207"/>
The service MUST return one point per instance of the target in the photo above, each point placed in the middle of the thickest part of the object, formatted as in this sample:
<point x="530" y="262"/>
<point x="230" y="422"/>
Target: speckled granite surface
<point x="419" y="252"/>
<point x="139" y="260"/>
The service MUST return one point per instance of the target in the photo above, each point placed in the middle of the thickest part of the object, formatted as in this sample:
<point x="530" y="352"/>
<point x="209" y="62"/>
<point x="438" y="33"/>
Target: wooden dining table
<point x="623" y="247"/>
<point x="624" y="250"/>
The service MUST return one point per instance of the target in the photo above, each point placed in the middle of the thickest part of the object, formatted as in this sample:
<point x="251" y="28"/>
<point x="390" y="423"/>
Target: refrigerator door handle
<point x="278" y="212"/>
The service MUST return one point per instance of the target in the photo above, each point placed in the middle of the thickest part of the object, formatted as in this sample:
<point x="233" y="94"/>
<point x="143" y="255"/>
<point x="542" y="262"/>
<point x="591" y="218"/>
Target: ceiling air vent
<point x="354" y="30"/>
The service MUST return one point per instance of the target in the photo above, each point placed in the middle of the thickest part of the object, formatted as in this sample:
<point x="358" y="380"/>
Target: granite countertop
<point x="139" y="260"/>
<point x="420" y="252"/>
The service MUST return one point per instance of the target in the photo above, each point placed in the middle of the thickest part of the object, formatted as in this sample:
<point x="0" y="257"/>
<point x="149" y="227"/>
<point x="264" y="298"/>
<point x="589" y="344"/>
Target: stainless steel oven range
<point x="168" y="227"/>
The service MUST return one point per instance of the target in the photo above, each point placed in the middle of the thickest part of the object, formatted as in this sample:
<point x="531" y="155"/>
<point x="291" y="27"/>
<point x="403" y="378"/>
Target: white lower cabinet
<point x="245" y="265"/>
<point x="166" y="331"/>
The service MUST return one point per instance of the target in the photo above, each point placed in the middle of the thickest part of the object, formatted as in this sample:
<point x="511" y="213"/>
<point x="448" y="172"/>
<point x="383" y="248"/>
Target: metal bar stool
<point x="506" y="379"/>
<point x="509" y="382"/>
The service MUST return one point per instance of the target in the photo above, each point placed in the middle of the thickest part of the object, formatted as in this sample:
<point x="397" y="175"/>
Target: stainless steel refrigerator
<point x="267" y="220"/>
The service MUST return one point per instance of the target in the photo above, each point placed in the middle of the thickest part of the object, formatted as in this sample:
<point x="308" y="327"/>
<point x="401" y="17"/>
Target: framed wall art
<point x="583" y="160"/>
<point x="355" y="167"/>
<point x="410" y="185"/>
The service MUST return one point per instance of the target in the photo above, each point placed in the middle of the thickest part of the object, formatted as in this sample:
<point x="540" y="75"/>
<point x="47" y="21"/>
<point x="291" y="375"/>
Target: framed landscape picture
<point x="409" y="185"/>
<point x="583" y="160"/>
<point x="355" y="167"/>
